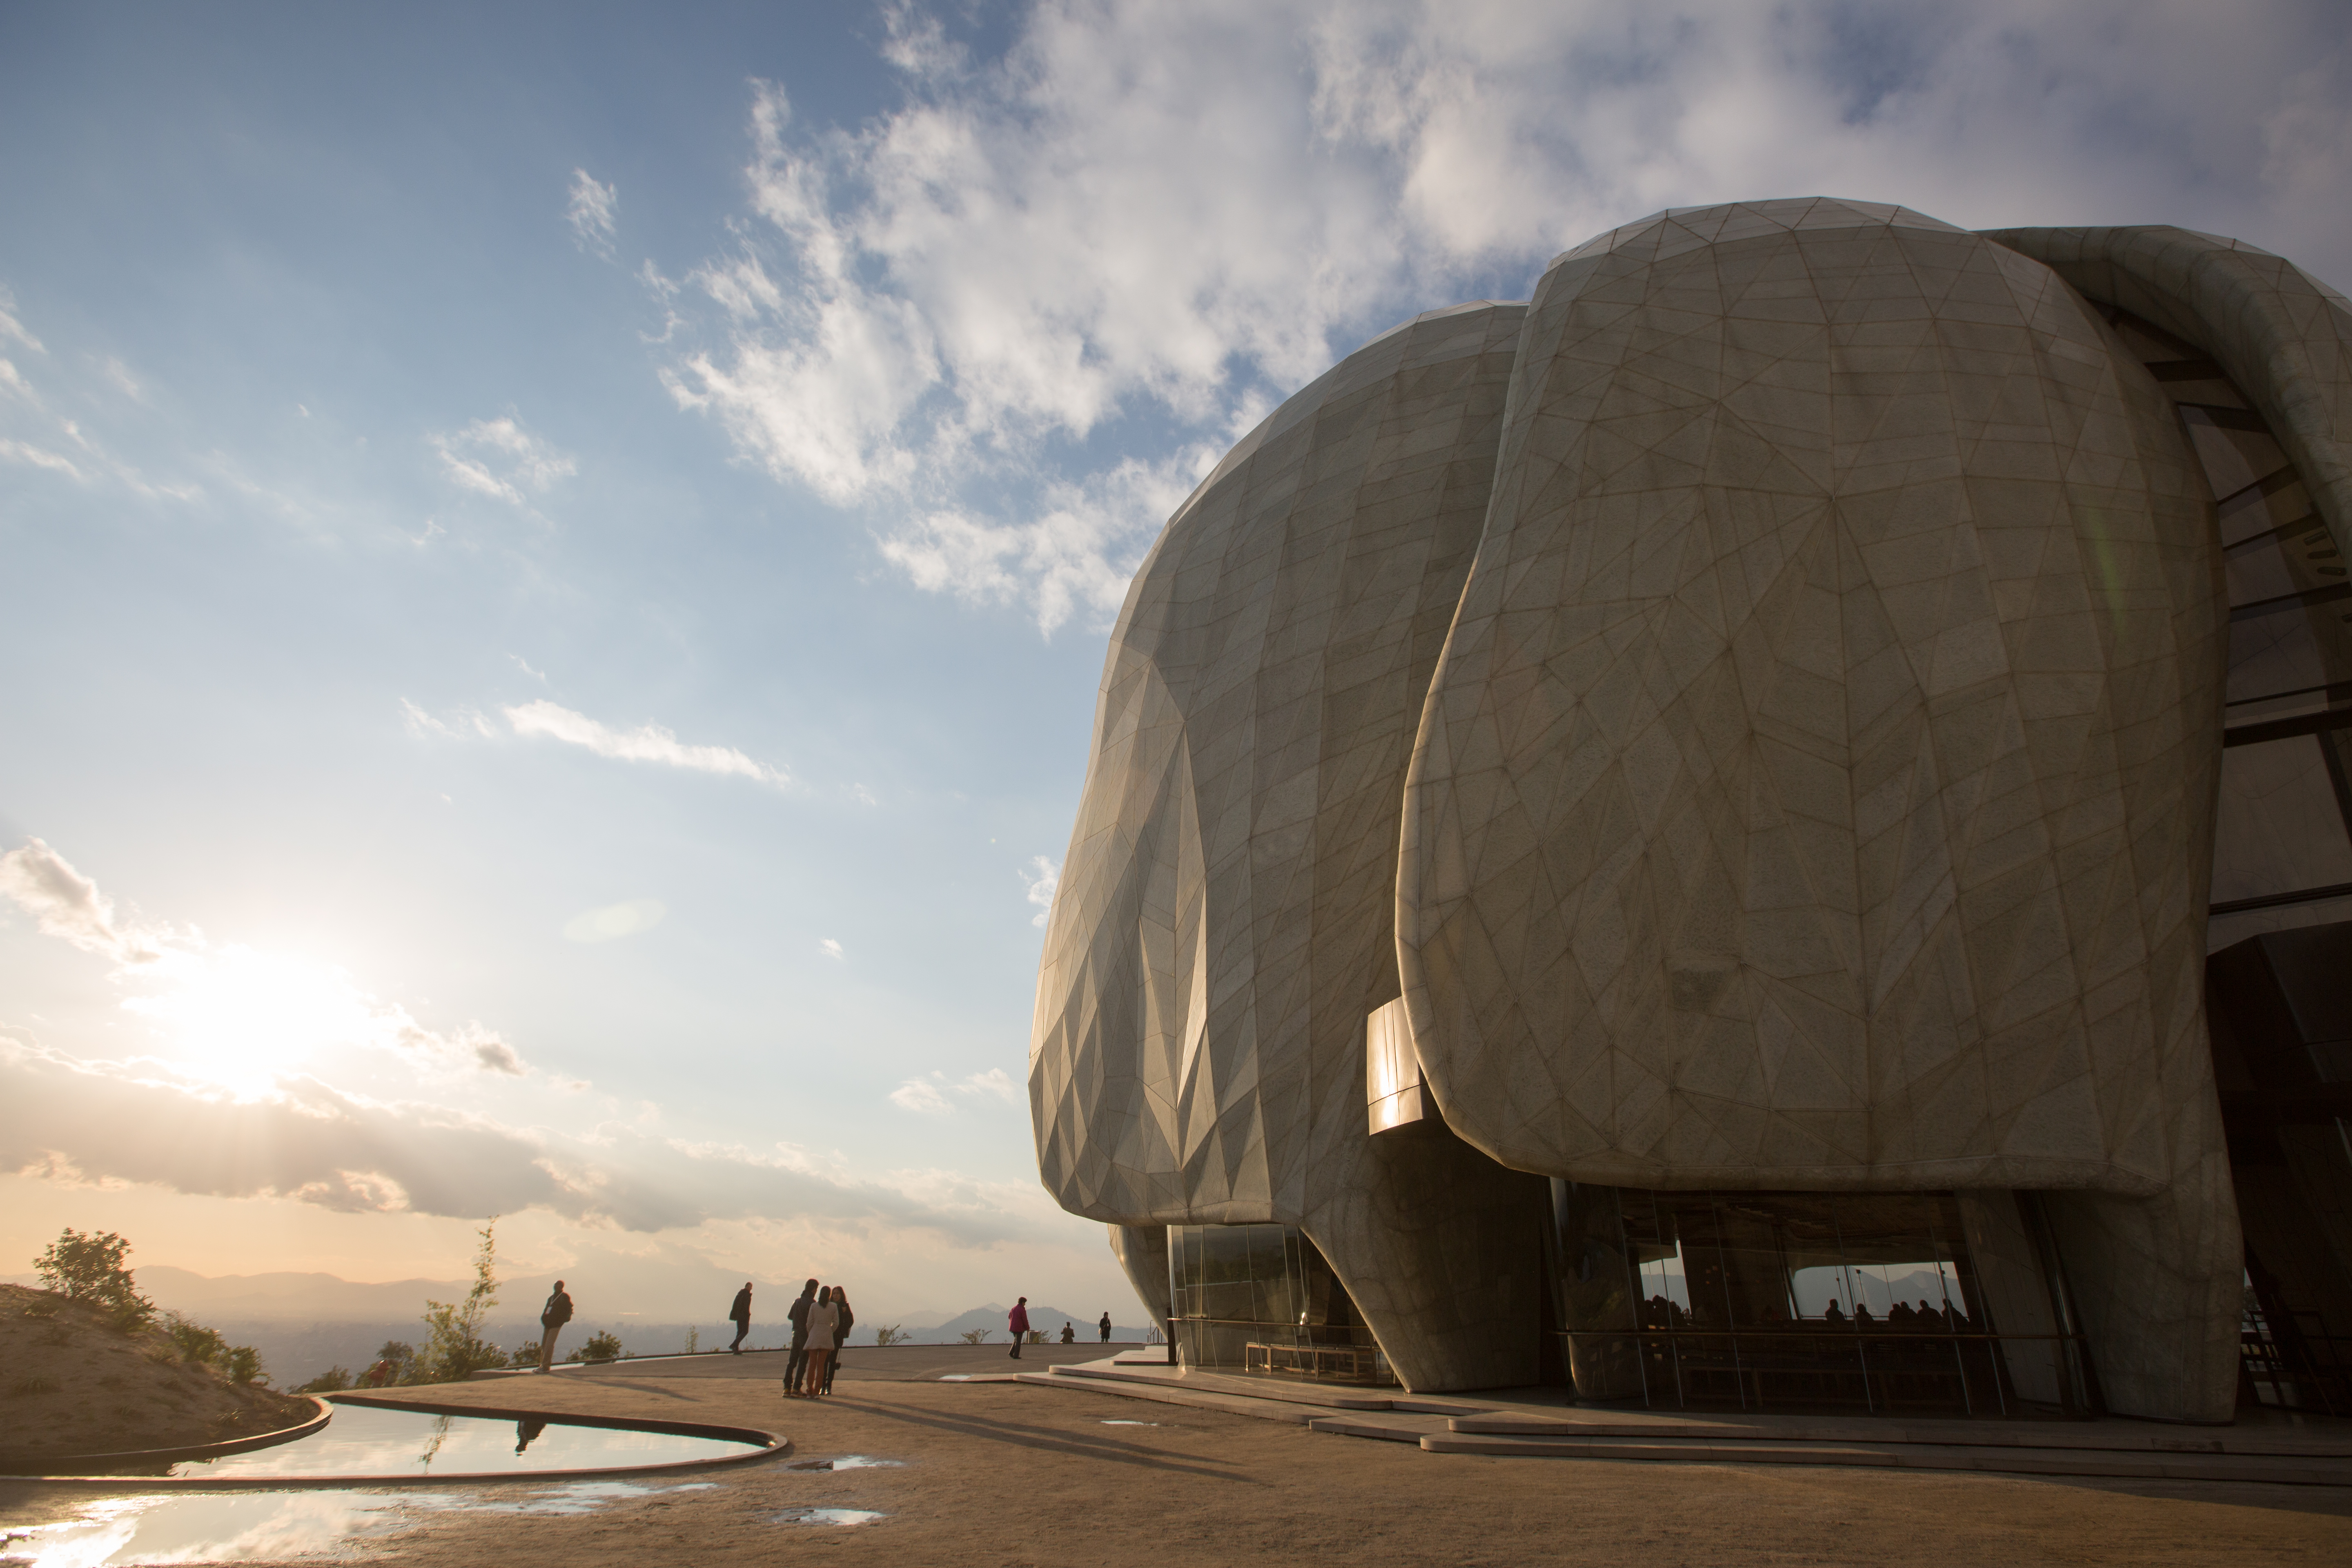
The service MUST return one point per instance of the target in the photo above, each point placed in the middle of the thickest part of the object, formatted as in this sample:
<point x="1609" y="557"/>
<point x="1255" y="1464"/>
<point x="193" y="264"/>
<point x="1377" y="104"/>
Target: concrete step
<point x="2141" y="1465"/>
<point x="1319" y="1395"/>
<point x="2107" y="1436"/>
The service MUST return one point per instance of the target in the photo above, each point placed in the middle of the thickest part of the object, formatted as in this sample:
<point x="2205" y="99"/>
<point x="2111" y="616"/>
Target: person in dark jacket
<point x="1105" y="1327"/>
<point x="551" y="1318"/>
<point x="1017" y="1321"/>
<point x="840" y="1335"/>
<point x="797" y="1362"/>
<point x="742" y="1313"/>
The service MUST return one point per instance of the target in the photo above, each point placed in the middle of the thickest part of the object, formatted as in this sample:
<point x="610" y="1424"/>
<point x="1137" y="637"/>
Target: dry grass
<point x="77" y="1385"/>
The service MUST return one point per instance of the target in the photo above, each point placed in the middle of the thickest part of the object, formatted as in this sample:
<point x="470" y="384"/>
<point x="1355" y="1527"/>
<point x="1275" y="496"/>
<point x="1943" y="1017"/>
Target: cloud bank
<point x="1009" y="321"/>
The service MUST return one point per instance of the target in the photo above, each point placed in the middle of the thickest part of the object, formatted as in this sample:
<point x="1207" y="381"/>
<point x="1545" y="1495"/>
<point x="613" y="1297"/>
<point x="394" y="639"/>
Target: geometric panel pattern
<point x="1815" y="789"/>
<point x="1222" y="923"/>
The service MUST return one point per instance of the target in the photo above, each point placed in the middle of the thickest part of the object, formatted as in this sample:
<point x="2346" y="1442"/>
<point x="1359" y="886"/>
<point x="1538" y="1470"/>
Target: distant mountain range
<point x="304" y="1323"/>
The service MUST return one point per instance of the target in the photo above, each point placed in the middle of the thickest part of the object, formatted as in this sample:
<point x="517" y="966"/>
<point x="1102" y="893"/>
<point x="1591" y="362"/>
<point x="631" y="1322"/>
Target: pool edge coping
<point x="773" y="1446"/>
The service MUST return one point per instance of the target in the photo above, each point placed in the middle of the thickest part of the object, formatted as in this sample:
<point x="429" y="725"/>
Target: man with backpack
<point x="797" y="1362"/>
<point x="551" y="1318"/>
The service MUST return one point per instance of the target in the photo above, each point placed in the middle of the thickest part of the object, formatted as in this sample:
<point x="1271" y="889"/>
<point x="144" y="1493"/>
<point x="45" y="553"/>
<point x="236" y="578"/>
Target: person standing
<point x="551" y="1318"/>
<point x="824" y="1320"/>
<point x="742" y="1313"/>
<point x="840" y="1335"/>
<point x="798" y="1360"/>
<point x="1017" y="1321"/>
<point x="1105" y="1327"/>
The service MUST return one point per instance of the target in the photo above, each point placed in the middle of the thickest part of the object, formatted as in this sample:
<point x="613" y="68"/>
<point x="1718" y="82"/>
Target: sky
<point x="558" y="557"/>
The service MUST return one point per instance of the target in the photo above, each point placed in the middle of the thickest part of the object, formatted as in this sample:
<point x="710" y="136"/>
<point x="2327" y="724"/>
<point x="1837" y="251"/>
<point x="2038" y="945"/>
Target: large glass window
<point x="1260" y="1298"/>
<point x="1864" y="1301"/>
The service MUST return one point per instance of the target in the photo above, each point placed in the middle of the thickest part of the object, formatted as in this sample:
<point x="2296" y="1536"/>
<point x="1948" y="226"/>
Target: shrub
<point x="196" y="1342"/>
<point x="601" y="1347"/>
<point x="525" y="1354"/>
<point x="975" y="1336"/>
<point x="88" y="1267"/>
<point x="454" y="1346"/>
<point x="1036" y="1336"/>
<point x="892" y="1334"/>
<point x="327" y="1382"/>
<point x="243" y="1365"/>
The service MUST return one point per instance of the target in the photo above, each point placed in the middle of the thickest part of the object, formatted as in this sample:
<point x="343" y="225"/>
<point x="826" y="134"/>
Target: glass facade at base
<point x="1943" y="1303"/>
<point x="1260" y="1298"/>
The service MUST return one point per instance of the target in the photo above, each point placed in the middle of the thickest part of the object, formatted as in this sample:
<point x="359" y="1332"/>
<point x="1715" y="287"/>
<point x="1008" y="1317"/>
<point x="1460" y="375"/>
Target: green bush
<point x="243" y="1365"/>
<point x="196" y="1342"/>
<point x="88" y="1267"/>
<point x="331" y="1381"/>
<point x="600" y="1348"/>
<point x="891" y="1334"/>
<point x="454" y="1346"/>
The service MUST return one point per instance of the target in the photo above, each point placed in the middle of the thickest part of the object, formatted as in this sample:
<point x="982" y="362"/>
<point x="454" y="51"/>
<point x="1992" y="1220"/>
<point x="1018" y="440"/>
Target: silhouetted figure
<point x="1105" y="1327"/>
<point x="1017" y="1321"/>
<point x="526" y="1433"/>
<point x="742" y="1313"/>
<point x="1069" y="1332"/>
<point x="1833" y="1313"/>
<point x="1899" y="1316"/>
<point x="823" y="1322"/>
<point x="797" y="1363"/>
<point x="840" y="1335"/>
<point x="551" y="1318"/>
<point x="1861" y="1318"/>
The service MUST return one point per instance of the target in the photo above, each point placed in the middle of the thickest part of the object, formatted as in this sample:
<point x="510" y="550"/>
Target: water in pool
<point x="363" y="1440"/>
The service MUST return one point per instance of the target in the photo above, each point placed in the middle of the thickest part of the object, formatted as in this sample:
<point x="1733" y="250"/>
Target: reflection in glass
<point x="1866" y="1300"/>
<point x="1261" y="1297"/>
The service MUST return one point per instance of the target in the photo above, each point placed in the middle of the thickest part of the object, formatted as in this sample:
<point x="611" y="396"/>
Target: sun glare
<point x="239" y="1018"/>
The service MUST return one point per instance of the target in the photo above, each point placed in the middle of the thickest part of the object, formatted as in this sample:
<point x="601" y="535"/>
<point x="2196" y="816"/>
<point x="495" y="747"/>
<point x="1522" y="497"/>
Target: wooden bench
<point x="1350" y="1363"/>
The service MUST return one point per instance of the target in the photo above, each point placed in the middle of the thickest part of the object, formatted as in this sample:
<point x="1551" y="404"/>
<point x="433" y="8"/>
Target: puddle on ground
<point x="846" y="1462"/>
<point x="364" y="1440"/>
<point x="239" y="1527"/>
<point x="956" y="1378"/>
<point x="828" y="1516"/>
<point x="1130" y="1423"/>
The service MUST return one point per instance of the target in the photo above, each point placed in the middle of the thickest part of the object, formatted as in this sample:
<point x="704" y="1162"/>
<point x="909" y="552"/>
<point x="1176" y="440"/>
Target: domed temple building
<point x="1766" y="829"/>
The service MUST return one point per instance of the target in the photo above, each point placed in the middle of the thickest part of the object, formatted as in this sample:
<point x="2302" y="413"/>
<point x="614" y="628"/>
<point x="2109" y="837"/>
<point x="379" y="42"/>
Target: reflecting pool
<point x="363" y="1440"/>
<point x="240" y="1527"/>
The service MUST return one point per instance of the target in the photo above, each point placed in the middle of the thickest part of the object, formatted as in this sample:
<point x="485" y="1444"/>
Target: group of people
<point x="821" y="1320"/>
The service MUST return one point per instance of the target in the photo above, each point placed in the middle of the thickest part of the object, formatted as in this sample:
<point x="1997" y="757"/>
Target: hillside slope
<point x="76" y="1385"/>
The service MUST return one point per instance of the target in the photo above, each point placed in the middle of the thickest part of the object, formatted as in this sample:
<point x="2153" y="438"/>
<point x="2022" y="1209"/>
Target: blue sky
<point x="471" y="477"/>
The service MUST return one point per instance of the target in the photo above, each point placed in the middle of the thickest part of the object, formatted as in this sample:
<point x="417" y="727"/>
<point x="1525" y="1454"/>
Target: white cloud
<point x="1044" y="878"/>
<point x="68" y="906"/>
<point x="831" y="949"/>
<point x="499" y="458"/>
<point x="37" y="457"/>
<point x="994" y="1084"/>
<point x="524" y="664"/>
<point x="1124" y="236"/>
<point x="926" y="1098"/>
<point x="614" y="920"/>
<point x="592" y="213"/>
<point x="647" y="743"/>
<point x="921" y="1096"/>
<point x="11" y="327"/>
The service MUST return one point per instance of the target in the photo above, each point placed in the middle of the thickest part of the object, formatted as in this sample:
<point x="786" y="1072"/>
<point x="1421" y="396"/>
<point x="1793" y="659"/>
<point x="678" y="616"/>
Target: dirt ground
<point x="72" y="1384"/>
<point x="999" y="1474"/>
